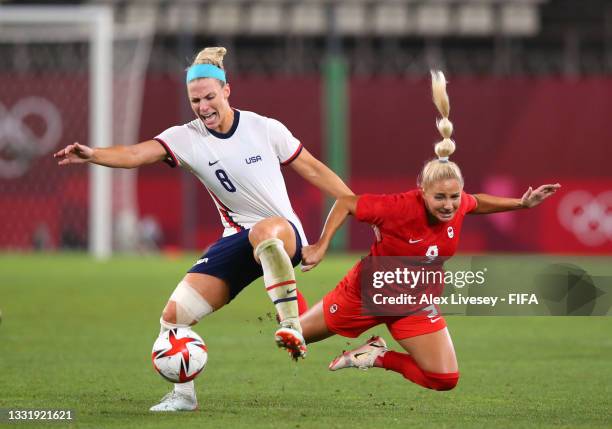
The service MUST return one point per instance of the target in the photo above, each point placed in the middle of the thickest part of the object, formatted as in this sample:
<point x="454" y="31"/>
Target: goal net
<point x="68" y="74"/>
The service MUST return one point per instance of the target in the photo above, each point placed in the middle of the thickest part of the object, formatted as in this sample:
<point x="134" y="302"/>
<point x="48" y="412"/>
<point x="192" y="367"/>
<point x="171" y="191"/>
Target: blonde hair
<point x="441" y="168"/>
<point x="212" y="55"/>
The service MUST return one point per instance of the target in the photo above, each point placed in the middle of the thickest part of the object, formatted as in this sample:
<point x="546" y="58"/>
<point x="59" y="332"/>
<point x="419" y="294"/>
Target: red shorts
<point x="343" y="314"/>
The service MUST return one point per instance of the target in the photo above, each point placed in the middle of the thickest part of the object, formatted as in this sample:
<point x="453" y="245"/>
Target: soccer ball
<point x="179" y="355"/>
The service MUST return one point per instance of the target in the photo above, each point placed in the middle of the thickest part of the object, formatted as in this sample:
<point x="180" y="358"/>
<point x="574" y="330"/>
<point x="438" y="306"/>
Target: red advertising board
<point x="511" y="133"/>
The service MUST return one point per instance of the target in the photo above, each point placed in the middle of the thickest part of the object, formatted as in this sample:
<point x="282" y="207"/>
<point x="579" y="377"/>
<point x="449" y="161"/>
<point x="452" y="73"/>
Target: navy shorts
<point x="231" y="259"/>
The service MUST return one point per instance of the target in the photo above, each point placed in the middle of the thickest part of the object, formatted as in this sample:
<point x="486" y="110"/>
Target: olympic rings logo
<point x="587" y="216"/>
<point x="20" y="142"/>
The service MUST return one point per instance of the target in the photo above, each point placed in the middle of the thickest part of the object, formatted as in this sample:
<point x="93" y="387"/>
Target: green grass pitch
<point x="76" y="334"/>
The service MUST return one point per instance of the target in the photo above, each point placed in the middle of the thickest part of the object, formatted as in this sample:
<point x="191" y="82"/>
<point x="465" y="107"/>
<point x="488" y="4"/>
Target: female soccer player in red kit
<point x="422" y="222"/>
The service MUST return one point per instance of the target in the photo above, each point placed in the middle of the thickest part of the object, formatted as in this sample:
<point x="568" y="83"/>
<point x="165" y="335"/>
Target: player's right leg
<point x="314" y="327"/>
<point x="339" y="313"/>
<point x="196" y="296"/>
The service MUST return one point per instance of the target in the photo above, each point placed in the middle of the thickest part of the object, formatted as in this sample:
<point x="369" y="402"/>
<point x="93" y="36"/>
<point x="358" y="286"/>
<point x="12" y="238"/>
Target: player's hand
<point x="533" y="198"/>
<point x="312" y="255"/>
<point x="74" y="154"/>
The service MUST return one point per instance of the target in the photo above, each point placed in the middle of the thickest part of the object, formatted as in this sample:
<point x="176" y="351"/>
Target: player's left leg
<point x="430" y="362"/>
<point x="275" y="243"/>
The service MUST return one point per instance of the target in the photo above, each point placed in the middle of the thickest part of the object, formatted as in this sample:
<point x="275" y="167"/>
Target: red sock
<point x="406" y="365"/>
<point x="302" y="303"/>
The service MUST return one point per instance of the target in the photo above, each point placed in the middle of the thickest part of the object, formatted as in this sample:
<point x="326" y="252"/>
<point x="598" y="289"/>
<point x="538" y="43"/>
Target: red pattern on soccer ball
<point x="179" y="345"/>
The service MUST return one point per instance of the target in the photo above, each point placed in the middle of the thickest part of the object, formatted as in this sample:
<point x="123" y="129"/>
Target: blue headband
<point x="198" y="71"/>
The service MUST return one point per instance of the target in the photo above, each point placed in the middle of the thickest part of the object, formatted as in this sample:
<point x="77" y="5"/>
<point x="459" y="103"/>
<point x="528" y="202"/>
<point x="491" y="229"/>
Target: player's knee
<point x="443" y="382"/>
<point x="272" y="227"/>
<point x="186" y="306"/>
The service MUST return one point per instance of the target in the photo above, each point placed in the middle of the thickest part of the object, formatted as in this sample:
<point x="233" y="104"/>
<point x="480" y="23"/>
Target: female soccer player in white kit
<point x="237" y="156"/>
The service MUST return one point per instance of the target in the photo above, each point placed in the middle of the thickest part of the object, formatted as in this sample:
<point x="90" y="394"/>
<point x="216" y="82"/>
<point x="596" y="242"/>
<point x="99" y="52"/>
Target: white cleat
<point x="291" y="340"/>
<point x="362" y="357"/>
<point x="175" y="401"/>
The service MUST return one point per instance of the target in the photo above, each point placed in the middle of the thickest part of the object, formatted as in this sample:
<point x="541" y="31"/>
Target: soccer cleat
<point x="291" y="340"/>
<point x="175" y="401"/>
<point x="362" y="357"/>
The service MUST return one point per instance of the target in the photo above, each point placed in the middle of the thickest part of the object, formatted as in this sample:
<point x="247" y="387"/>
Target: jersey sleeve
<point x="176" y="141"/>
<point x="285" y="146"/>
<point x="469" y="202"/>
<point x="375" y="209"/>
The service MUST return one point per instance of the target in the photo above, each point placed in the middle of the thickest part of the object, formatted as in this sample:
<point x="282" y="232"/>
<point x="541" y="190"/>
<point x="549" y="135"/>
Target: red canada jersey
<point x="404" y="226"/>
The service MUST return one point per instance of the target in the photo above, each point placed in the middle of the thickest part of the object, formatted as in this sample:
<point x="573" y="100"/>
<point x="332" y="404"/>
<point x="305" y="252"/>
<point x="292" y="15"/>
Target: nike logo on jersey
<point x="199" y="261"/>
<point x="252" y="159"/>
<point x="212" y="163"/>
<point x="411" y="241"/>
<point x="434" y="320"/>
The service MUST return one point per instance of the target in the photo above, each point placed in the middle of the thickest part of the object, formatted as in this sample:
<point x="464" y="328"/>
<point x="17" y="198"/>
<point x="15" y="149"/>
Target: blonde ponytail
<point x="441" y="168"/>
<point x="446" y="147"/>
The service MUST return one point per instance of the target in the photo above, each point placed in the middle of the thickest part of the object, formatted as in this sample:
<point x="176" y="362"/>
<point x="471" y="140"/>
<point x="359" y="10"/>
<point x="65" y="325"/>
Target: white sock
<point x="166" y="326"/>
<point x="187" y="389"/>
<point x="279" y="279"/>
<point x="163" y="328"/>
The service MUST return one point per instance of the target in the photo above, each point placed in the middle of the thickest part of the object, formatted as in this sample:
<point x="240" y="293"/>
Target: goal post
<point x="69" y="54"/>
<point x="101" y="120"/>
<point x="98" y="20"/>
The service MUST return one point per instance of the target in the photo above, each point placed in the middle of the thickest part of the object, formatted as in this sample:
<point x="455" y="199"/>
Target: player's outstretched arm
<point x="532" y="198"/>
<point x="131" y="156"/>
<point x="312" y="255"/>
<point x="318" y="174"/>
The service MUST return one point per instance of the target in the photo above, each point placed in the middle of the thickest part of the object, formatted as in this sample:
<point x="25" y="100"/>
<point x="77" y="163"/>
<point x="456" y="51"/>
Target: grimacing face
<point x="442" y="199"/>
<point x="209" y="101"/>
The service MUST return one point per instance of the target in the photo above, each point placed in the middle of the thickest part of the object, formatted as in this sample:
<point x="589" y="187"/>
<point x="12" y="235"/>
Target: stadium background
<point x="529" y="82"/>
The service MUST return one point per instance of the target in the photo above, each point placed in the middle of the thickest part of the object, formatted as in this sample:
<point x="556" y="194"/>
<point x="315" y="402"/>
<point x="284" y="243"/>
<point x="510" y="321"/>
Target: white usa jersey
<point x="241" y="169"/>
